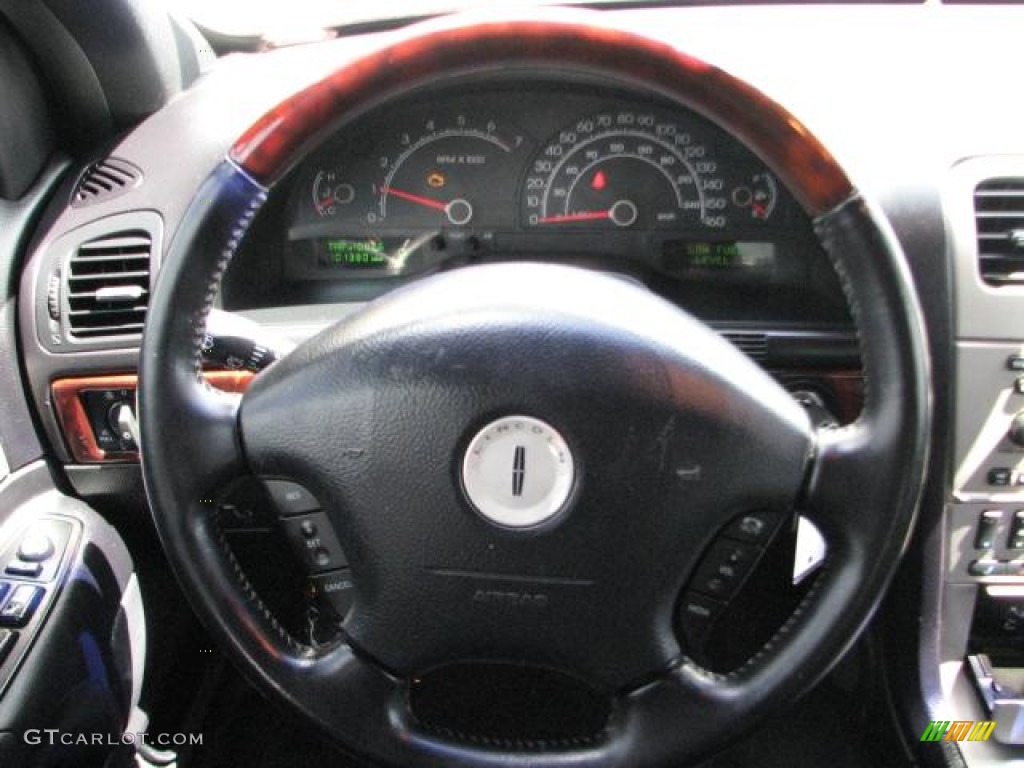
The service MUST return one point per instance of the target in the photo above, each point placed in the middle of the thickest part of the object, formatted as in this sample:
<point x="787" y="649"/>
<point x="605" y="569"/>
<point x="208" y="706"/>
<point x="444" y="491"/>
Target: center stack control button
<point x="988" y="528"/>
<point x="999" y="476"/>
<point x="1015" y="539"/>
<point x="985" y="567"/>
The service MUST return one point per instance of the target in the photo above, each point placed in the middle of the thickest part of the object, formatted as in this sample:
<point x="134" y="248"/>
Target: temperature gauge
<point x="329" y="193"/>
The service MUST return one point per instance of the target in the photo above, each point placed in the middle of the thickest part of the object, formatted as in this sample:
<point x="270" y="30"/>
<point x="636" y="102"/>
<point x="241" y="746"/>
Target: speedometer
<point x="625" y="169"/>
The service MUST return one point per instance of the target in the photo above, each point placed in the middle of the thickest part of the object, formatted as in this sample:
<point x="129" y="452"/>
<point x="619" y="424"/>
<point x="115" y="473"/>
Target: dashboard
<point x="563" y="167"/>
<point x="536" y="169"/>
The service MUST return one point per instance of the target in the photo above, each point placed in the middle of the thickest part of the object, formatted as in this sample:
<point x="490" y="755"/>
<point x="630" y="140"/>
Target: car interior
<point x="559" y="384"/>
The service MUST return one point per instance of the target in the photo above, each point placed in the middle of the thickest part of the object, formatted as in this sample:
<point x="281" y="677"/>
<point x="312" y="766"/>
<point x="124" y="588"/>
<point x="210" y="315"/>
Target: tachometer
<point x="625" y="169"/>
<point x="446" y="176"/>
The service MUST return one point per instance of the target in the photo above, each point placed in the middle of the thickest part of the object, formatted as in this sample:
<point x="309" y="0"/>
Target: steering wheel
<point x="642" y="434"/>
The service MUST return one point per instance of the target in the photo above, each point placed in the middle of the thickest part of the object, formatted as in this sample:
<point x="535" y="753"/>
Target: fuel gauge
<point x="759" y="196"/>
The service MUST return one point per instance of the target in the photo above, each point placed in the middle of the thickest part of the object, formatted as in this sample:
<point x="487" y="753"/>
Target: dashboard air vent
<point x="999" y="214"/>
<point x="104" y="180"/>
<point x="754" y="345"/>
<point x="108" y="285"/>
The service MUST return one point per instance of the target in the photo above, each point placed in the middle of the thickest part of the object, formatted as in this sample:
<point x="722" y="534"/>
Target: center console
<point x="982" y="595"/>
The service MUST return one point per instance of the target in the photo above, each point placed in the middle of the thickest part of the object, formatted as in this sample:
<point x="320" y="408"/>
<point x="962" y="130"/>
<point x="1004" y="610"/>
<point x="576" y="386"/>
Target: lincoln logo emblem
<point x="518" y="470"/>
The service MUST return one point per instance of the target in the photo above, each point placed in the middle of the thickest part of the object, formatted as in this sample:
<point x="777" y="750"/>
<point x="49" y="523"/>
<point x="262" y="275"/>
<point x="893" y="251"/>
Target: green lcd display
<point x="352" y="254"/>
<point x="683" y="257"/>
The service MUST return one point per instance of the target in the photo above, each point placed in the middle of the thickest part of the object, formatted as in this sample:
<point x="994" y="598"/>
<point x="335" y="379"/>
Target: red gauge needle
<point x="437" y="205"/>
<point x="623" y="213"/>
<point x="582" y="216"/>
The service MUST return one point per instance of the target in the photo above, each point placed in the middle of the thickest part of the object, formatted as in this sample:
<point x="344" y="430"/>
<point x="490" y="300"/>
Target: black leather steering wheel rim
<point x="862" y="491"/>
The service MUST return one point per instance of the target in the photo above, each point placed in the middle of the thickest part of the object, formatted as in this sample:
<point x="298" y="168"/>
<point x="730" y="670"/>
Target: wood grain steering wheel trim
<point x="281" y="137"/>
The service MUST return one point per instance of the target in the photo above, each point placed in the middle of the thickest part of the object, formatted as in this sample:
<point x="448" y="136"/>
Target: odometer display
<point x="361" y="258"/>
<point x="625" y="169"/>
<point x="351" y="254"/>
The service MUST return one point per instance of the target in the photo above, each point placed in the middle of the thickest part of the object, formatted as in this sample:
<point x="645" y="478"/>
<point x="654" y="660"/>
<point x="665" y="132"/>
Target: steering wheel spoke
<point x="842" y="483"/>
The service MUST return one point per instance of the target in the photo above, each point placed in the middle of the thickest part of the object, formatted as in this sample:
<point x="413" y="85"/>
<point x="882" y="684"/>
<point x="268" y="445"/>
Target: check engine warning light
<point x="436" y="180"/>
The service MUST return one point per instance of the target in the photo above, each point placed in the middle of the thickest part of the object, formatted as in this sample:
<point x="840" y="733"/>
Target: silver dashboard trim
<point x="983" y="311"/>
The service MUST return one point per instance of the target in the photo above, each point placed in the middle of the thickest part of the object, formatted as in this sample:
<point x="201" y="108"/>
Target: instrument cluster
<point x="576" y="174"/>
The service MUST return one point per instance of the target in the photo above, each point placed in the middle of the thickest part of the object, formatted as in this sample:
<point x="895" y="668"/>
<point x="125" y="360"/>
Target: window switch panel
<point x="20" y="605"/>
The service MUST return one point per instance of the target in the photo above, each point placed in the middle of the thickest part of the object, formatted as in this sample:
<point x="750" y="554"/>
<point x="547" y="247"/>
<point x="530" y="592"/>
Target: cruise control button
<point x="322" y="557"/>
<point x="313" y="540"/>
<point x="337" y="589"/>
<point x="20" y="605"/>
<point x="35" y="547"/>
<point x="291" y="498"/>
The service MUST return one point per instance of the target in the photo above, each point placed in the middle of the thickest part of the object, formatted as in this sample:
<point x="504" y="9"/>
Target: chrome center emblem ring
<point x="518" y="472"/>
